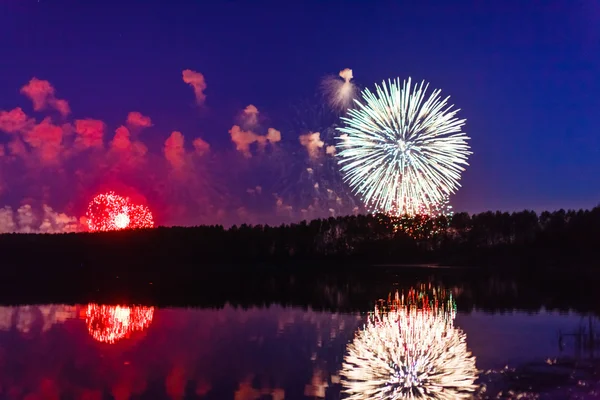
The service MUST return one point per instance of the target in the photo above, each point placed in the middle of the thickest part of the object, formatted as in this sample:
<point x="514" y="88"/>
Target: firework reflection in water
<point x="108" y="324"/>
<point x="410" y="350"/>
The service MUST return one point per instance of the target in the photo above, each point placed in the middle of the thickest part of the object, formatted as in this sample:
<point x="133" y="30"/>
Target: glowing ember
<point x="109" y="211"/>
<point x="108" y="324"/>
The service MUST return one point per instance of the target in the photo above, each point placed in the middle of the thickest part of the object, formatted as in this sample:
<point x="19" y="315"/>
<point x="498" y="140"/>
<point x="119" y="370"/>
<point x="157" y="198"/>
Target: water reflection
<point x="414" y="344"/>
<point x="410" y="349"/>
<point x="229" y="353"/>
<point x="108" y="324"/>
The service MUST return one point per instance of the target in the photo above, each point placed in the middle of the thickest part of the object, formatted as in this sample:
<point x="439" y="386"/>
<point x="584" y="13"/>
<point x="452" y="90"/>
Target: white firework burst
<point x="409" y="354"/>
<point x="400" y="150"/>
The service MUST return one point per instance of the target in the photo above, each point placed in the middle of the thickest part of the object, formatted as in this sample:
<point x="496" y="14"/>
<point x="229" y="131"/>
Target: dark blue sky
<point x="526" y="74"/>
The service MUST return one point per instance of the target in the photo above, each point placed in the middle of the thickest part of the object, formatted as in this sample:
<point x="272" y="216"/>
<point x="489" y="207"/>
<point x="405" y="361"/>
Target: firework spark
<point x="339" y="92"/>
<point x="108" y="324"/>
<point x="427" y="223"/>
<point x="410" y="349"/>
<point x="109" y="211"/>
<point x="400" y="151"/>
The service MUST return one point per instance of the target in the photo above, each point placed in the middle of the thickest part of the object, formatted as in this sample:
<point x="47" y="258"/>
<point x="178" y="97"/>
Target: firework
<point x="400" y="151"/>
<point x="339" y="92"/>
<point x="108" y="324"/>
<point x="109" y="211"/>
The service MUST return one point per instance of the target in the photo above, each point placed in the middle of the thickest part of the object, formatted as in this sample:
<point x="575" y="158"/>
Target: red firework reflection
<point x="107" y="324"/>
<point x="109" y="212"/>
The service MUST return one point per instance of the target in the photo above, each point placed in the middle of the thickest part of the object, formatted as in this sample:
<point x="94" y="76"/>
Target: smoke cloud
<point x="91" y="133"/>
<point x="137" y="120"/>
<point x="197" y="82"/>
<point x="243" y="139"/>
<point x="201" y="146"/>
<point x="313" y="143"/>
<point x="14" y="121"/>
<point x="250" y="116"/>
<point x="46" y="139"/>
<point x="174" y="150"/>
<point x="42" y="94"/>
<point x="27" y="220"/>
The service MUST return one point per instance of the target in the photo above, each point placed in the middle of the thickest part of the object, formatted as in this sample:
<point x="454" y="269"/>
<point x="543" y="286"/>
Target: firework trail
<point x="410" y="349"/>
<point x="340" y="93"/>
<point x="401" y="151"/>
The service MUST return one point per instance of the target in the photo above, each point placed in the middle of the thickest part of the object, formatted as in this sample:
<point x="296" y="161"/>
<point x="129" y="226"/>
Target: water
<point x="91" y="352"/>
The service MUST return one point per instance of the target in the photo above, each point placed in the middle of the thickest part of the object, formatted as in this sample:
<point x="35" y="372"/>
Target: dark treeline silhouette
<point x="561" y="238"/>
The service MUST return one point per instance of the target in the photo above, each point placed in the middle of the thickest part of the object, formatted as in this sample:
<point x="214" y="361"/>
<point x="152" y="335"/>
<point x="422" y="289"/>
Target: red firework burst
<point x="109" y="212"/>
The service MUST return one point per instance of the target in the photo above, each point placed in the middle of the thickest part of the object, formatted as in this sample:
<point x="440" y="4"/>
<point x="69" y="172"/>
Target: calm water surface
<point x="101" y="352"/>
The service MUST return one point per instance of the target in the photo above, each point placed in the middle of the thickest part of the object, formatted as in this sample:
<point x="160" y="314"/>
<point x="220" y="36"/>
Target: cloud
<point x="250" y="116"/>
<point x="131" y="152"/>
<point x="330" y="150"/>
<point x="42" y="94"/>
<point x="14" y="121"/>
<point x="91" y="133"/>
<point x="121" y="141"/>
<point x="243" y="139"/>
<point x="17" y="147"/>
<point x="197" y="82"/>
<point x="28" y="220"/>
<point x="201" y="146"/>
<point x="46" y="138"/>
<point x="137" y="120"/>
<point x="312" y="141"/>
<point x="273" y="135"/>
<point x="174" y="150"/>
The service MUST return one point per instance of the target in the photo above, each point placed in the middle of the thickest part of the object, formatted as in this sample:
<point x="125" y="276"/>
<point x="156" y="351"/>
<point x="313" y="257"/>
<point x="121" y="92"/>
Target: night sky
<point x="526" y="76"/>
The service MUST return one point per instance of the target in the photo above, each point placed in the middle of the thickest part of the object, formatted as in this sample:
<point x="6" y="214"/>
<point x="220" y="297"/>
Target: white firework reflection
<point x="401" y="151"/>
<point x="409" y="353"/>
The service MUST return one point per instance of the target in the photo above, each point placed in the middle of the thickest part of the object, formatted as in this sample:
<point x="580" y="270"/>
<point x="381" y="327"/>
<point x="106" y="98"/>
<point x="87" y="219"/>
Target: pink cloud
<point x="42" y="95"/>
<point x="14" y="121"/>
<point x="121" y="141"/>
<point x="90" y="131"/>
<point x="174" y="150"/>
<point x="197" y="82"/>
<point x="201" y="146"/>
<point x="250" y="116"/>
<point x="47" y="139"/>
<point x="136" y="119"/>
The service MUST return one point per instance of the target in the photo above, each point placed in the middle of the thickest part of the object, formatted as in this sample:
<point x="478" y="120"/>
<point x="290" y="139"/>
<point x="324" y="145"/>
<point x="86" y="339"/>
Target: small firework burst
<point x="340" y="93"/>
<point x="109" y="212"/>
<point x="410" y="350"/>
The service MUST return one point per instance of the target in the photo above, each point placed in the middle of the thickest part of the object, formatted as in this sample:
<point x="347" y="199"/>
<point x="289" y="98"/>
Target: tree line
<point x="485" y="239"/>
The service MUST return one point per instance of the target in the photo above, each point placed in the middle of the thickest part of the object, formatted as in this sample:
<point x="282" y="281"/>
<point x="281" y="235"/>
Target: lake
<point x="94" y="351"/>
